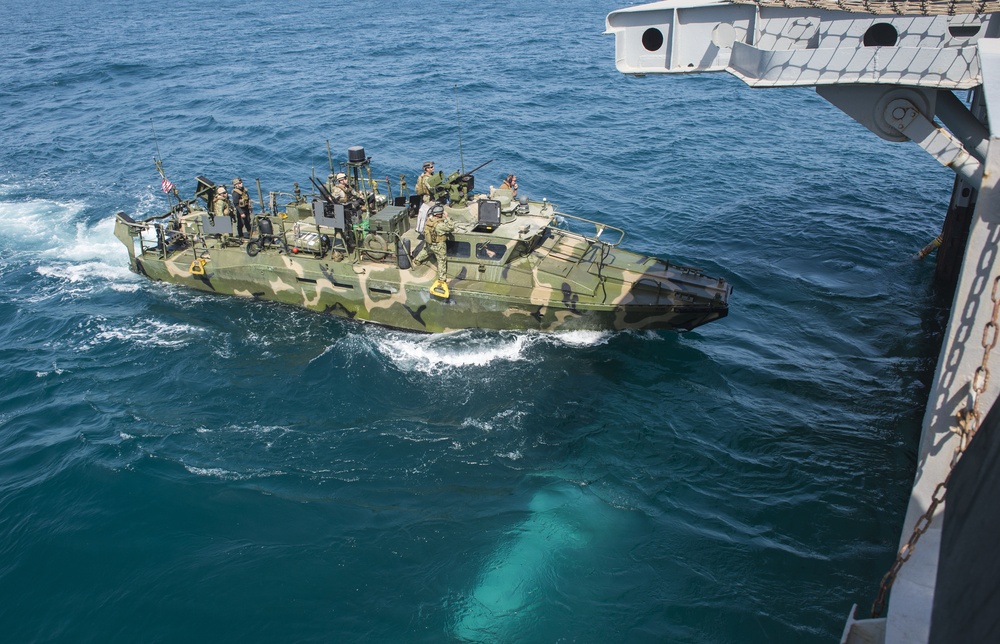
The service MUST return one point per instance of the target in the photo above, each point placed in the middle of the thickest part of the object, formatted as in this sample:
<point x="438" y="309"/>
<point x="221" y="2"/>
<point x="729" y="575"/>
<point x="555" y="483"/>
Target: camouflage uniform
<point x="244" y="208"/>
<point x="422" y="188"/>
<point x="222" y="208"/>
<point x="341" y="192"/>
<point x="435" y="243"/>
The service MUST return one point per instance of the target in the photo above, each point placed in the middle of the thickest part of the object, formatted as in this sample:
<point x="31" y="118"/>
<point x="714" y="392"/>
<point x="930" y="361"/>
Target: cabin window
<point x="460" y="249"/>
<point x="490" y="252"/>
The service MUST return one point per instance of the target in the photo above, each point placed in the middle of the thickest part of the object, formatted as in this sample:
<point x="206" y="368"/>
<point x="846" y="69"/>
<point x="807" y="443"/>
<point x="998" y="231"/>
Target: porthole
<point x="881" y="34"/>
<point x="963" y="31"/>
<point x="652" y="39"/>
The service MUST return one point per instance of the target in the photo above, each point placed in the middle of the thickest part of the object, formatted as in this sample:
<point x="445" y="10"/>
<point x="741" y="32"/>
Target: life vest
<point x="430" y="230"/>
<point x="242" y="198"/>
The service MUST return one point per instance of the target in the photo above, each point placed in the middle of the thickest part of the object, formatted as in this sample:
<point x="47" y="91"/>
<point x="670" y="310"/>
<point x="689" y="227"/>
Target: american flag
<point x="167" y="186"/>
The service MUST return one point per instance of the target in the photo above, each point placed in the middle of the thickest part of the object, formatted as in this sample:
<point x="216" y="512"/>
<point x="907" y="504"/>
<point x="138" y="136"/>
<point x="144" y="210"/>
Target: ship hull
<point x="385" y="295"/>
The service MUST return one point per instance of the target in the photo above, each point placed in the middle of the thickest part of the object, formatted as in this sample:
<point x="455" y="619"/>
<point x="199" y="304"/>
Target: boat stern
<point x="127" y="230"/>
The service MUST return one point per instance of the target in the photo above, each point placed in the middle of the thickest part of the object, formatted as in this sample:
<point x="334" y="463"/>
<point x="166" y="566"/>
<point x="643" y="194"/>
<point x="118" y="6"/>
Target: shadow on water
<point x="565" y="522"/>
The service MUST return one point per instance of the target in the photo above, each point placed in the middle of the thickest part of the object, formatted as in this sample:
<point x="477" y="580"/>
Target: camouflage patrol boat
<point x="513" y="263"/>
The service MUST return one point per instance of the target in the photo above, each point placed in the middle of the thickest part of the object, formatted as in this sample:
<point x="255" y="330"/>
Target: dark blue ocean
<point x="181" y="467"/>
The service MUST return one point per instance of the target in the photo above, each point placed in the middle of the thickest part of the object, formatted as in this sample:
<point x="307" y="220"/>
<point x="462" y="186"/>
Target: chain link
<point x="967" y="419"/>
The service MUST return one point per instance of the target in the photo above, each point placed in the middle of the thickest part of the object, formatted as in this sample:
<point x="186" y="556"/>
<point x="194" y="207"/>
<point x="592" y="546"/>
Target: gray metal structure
<point x="893" y="67"/>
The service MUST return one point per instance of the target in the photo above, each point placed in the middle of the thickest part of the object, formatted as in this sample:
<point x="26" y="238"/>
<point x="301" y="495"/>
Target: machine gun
<point x="352" y="206"/>
<point x="323" y="192"/>
<point x="456" y="187"/>
<point x="341" y="216"/>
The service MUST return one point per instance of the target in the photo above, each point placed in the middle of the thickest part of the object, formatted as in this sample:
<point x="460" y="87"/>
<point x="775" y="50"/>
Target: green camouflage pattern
<point x="532" y="270"/>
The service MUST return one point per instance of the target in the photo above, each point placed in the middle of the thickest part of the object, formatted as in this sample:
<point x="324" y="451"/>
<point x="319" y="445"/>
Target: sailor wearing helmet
<point x="436" y="232"/>
<point x="222" y="207"/>
<point x="341" y="191"/>
<point x="244" y="207"/>
<point x="422" y="188"/>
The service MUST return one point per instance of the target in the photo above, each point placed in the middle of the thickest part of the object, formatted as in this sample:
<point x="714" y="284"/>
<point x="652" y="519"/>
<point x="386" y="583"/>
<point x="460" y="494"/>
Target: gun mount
<point x="456" y="188"/>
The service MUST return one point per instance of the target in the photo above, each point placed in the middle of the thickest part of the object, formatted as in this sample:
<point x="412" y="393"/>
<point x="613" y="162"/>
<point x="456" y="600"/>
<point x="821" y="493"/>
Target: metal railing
<point x="599" y="228"/>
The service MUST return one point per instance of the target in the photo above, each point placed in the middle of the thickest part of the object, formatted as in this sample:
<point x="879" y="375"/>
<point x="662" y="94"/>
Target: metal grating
<point x="888" y="7"/>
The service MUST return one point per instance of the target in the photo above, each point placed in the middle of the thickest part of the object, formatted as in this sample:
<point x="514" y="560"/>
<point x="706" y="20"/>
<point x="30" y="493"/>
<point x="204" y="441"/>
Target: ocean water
<point x="181" y="467"/>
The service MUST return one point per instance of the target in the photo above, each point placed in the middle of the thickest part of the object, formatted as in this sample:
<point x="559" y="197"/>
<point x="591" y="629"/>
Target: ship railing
<point x="592" y="231"/>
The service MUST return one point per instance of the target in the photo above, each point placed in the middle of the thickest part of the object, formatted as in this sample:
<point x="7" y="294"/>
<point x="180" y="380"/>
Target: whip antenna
<point x="458" y="117"/>
<point x="155" y="142"/>
<point x="166" y="184"/>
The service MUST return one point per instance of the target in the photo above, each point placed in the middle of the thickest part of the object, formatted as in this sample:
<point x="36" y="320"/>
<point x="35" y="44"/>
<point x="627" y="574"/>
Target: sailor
<point x="222" y="208"/>
<point x="422" y="188"/>
<point x="342" y="190"/>
<point x="510" y="183"/>
<point x="436" y="232"/>
<point x="244" y="207"/>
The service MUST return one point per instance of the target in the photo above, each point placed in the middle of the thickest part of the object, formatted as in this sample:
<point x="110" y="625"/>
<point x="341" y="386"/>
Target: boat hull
<point x="385" y="295"/>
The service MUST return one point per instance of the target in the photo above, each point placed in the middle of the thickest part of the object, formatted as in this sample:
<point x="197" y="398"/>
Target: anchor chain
<point x="968" y="420"/>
